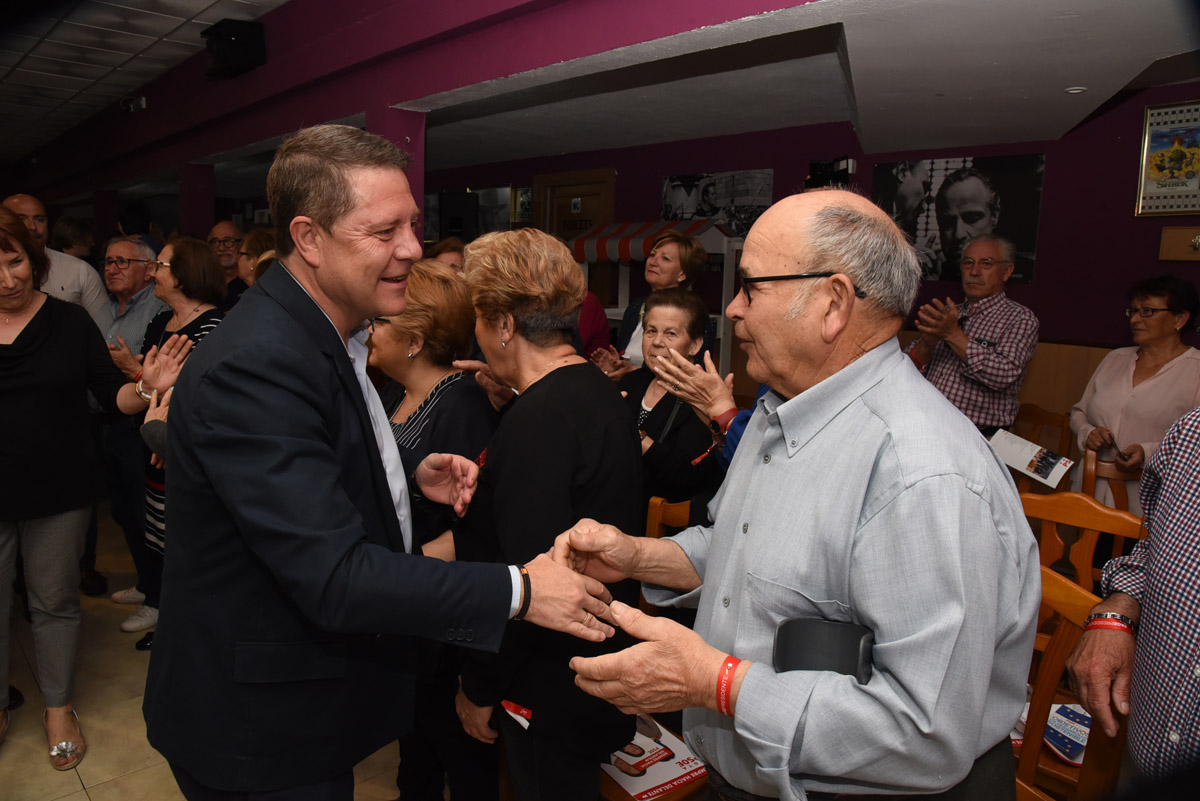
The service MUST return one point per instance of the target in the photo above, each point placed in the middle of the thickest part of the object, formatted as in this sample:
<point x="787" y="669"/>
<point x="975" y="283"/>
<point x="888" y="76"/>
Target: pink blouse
<point x="1140" y="414"/>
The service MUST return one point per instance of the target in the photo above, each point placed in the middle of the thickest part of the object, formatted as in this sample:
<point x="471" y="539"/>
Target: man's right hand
<point x="125" y="359"/>
<point x="563" y="600"/>
<point x="597" y="550"/>
<point x="1100" y="670"/>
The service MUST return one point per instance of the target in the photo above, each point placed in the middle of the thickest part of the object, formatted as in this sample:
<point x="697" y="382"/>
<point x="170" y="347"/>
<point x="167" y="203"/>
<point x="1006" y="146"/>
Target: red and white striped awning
<point x="626" y="242"/>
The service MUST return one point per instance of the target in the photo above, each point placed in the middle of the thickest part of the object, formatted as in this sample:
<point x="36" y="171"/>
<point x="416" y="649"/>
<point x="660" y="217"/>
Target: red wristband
<point x="725" y="683"/>
<point x="1107" y="623"/>
<point x="138" y="377"/>
<point x="724" y="420"/>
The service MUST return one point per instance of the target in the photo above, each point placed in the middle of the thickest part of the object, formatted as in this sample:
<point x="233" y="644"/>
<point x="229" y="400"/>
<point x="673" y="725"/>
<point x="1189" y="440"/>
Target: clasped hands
<point x="671" y="668"/>
<point x="938" y="320"/>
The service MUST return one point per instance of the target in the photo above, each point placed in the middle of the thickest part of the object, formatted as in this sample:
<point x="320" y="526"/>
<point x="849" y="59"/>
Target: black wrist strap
<point x="526" y="593"/>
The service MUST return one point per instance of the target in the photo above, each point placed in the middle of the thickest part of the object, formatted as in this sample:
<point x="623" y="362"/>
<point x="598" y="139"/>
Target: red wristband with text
<point x="1108" y="623"/>
<point x="725" y="683"/>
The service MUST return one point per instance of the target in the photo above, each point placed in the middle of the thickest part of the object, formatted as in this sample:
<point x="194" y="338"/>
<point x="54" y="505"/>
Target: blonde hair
<point x="530" y="275"/>
<point x="438" y="309"/>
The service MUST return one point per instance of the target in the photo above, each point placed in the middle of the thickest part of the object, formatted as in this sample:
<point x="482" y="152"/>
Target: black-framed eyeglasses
<point x="158" y="264"/>
<point x="986" y="264"/>
<point x="227" y="242"/>
<point x="381" y="320"/>
<point x="762" y="279"/>
<point x="122" y="263"/>
<point x="1142" y="311"/>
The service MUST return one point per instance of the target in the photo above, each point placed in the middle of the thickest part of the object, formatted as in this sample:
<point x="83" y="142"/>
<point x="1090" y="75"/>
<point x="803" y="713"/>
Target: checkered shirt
<point x="1002" y="335"/>
<point x="1163" y="574"/>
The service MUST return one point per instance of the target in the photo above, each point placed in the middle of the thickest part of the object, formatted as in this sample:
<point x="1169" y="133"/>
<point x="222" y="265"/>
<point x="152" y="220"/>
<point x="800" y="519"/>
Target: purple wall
<point x="1090" y="245"/>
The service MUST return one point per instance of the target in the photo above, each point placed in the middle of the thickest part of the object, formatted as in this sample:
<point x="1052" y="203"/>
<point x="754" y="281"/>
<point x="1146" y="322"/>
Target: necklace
<point x="545" y="370"/>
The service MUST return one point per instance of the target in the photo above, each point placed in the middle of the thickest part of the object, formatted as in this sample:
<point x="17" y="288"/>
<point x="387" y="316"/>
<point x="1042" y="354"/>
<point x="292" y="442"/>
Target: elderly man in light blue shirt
<point x="858" y="494"/>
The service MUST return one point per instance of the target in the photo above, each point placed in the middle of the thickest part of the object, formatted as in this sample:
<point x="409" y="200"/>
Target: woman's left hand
<point x="1135" y="457"/>
<point x="161" y="366"/>
<point x="476" y="720"/>
<point x="448" y="478"/>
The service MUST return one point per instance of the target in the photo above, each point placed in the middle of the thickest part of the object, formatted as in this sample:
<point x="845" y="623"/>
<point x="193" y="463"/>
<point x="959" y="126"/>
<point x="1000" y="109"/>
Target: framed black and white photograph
<point x="734" y="198"/>
<point x="944" y="203"/>
<point x="494" y="213"/>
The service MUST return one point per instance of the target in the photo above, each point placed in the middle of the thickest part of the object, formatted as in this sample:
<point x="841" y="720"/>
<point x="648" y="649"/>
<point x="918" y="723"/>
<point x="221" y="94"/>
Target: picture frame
<point x="1169" y="173"/>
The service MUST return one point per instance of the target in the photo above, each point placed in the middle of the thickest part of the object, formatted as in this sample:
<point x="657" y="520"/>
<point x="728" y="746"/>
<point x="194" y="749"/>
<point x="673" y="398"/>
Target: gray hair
<point x="871" y="250"/>
<point x="144" y="251"/>
<point x="1008" y="251"/>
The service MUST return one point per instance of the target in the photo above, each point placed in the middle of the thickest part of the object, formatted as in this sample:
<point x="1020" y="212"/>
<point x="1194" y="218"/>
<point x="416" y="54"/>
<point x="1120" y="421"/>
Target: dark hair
<point x="135" y="219"/>
<point x="197" y="270"/>
<point x="15" y="236"/>
<point x="1180" y="294"/>
<point x="451" y="244"/>
<point x="692" y="255"/>
<point x="686" y="301"/>
<point x="69" y="232"/>
<point x="957" y="177"/>
<point x="310" y="175"/>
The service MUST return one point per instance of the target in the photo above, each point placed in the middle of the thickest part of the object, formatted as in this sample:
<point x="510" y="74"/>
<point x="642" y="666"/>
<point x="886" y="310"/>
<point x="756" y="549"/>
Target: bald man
<point x="69" y="278"/>
<point x="859" y="495"/>
<point x="226" y="239"/>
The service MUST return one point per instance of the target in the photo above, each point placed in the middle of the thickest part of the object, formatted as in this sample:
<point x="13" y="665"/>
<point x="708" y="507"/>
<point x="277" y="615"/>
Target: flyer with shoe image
<point x="655" y="763"/>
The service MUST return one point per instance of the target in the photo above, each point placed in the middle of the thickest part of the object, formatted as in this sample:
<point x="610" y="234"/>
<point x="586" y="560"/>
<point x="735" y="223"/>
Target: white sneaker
<point x="129" y="595"/>
<point x="144" y="618"/>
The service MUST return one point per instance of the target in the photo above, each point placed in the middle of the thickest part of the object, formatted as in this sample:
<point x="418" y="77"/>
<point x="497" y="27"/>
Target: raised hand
<point x="448" y="478"/>
<point x="702" y="387"/>
<point x="161" y="366"/>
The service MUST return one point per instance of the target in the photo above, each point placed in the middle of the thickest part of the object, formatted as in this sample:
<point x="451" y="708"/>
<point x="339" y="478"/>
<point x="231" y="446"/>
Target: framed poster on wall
<point x="1169" y="176"/>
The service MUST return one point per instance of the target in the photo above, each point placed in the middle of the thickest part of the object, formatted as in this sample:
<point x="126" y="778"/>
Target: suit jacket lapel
<point x="286" y="290"/>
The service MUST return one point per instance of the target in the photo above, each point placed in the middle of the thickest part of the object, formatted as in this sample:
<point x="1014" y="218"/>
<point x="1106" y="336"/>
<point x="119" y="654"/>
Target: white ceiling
<point x="909" y="75"/>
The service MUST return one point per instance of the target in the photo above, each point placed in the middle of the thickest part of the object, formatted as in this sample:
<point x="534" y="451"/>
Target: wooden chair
<point x="1089" y="516"/>
<point x="1036" y="765"/>
<point x="661" y="516"/>
<point x="1028" y="793"/>
<point x="1094" y="467"/>
<point x="1029" y="424"/>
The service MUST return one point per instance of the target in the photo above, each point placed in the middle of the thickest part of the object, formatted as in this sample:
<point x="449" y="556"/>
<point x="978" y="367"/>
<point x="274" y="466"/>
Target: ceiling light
<point x="1075" y="90"/>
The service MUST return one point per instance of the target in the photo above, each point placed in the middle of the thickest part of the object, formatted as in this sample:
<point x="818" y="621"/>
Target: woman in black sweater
<point x="565" y="449"/>
<point x="51" y="356"/>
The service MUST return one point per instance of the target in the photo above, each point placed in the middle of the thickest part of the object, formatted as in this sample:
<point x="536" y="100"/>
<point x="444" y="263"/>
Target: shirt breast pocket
<point x="772" y="602"/>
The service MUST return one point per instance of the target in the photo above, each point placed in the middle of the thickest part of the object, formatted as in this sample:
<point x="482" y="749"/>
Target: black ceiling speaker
<point x="234" y="47"/>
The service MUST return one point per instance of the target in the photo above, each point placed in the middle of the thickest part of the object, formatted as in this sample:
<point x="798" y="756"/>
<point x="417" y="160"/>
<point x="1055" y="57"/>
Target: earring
<point x="503" y="344"/>
<point x="411" y="355"/>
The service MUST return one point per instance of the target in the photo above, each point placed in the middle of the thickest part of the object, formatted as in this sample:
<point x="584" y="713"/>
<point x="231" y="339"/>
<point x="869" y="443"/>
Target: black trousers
<point x="339" y="788"/>
<point x="543" y="769"/>
<point x="993" y="777"/>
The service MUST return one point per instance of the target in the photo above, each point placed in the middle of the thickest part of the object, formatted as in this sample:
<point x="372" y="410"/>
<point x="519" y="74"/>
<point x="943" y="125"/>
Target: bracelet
<point x="526" y="593"/>
<point x="138" y="377"/>
<point x="720" y="424"/>
<point x="1103" y="620"/>
<point x="141" y="392"/>
<point x="1105" y="623"/>
<point x="725" y="683"/>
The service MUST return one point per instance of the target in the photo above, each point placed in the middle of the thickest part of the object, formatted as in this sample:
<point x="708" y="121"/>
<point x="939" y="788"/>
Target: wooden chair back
<point x="1031" y="421"/>
<point x="661" y="516"/>
<point x="1094" y="467"/>
<point x="1036" y="765"/>
<point x="1086" y="514"/>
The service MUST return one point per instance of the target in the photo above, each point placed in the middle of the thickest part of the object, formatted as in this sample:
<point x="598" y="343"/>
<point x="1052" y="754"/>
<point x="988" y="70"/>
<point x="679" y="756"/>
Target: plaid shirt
<point x="1002" y="335"/>
<point x="1163" y="574"/>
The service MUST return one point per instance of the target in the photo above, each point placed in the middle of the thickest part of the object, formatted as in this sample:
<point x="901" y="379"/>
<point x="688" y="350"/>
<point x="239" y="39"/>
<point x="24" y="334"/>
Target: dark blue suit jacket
<point x="275" y="662"/>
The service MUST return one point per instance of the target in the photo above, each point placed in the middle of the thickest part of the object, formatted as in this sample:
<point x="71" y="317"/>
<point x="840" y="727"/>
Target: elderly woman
<point x="1136" y="393"/>
<point x="677" y="448"/>
<point x="256" y="243"/>
<point x="675" y="259"/>
<point x="435" y="408"/>
<point x="566" y="449"/>
<point x="51" y="356"/>
<point x="189" y="279"/>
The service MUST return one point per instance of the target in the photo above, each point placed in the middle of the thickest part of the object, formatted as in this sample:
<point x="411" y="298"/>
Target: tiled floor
<point x="110" y="678"/>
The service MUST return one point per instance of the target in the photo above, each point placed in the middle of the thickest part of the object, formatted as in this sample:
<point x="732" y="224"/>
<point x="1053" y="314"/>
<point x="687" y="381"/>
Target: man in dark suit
<point x="277" y="666"/>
